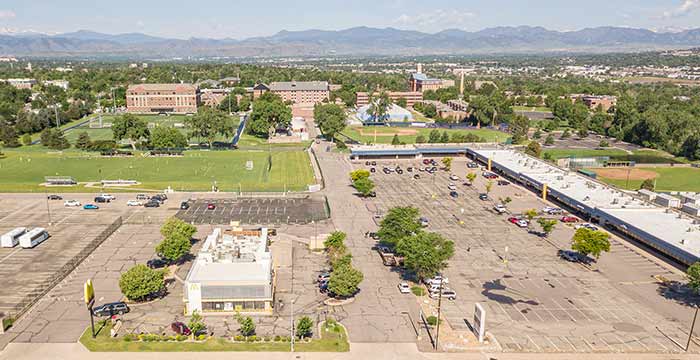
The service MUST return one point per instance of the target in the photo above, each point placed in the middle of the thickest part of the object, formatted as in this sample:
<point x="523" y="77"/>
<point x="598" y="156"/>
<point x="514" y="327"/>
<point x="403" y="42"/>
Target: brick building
<point x="422" y="83"/>
<point x="301" y="92"/>
<point x="162" y="98"/>
<point x="593" y="101"/>
<point x="21" y="83"/>
<point x="411" y="97"/>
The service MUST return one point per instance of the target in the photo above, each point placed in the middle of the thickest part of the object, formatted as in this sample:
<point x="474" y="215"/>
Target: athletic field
<point x="24" y="171"/>
<point x="667" y="178"/>
<point x="384" y="135"/>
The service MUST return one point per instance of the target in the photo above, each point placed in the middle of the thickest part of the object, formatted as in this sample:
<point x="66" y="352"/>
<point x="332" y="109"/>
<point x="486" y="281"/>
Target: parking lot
<point x="535" y="302"/>
<point x="255" y="210"/>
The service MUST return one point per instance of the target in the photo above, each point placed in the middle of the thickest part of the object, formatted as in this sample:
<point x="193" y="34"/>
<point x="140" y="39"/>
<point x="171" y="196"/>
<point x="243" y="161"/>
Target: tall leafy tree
<point x="399" y="223"/>
<point x="163" y="137"/>
<point x="209" y="123"/>
<point x="591" y="242"/>
<point x="269" y="113"/>
<point x="425" y="253"/>
<point x="331" y="119"/>
<point x="131" y="127"/>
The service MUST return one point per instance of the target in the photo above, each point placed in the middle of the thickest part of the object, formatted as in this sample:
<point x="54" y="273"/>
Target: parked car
<point x="568" y="219"/>
<point x="451" y="186"/>
<point x="518" y="221"/>
<point x="489" y="175"/>
<point x="454" y="177"/>
<point x="416" y="176"/>
<point x="134" y="203"/>
<point x="184" y="205"/>
<point x="142" y="197"/>
<point x="409" y="169"/>
<point x="211" y="206"/>
<point x="404" y="288"/>
<point x="90" y="207"/>
<point x="372" y="170"/>
<point x="110" y="309"/>
<point x="467" y="183"/>
<point x="159" y="197"/>
<point x="374" y="163"/>
<point x="435" y="280"/>
<point x="424" y="222"/>
<point x="71" y="203"/>
<point x="152" y="204"/>
<point x="156" y="263"/>
<point x="446" y="294"/>
<point x="586" y="225"/>
<point x="55" y="197"/>
<point x="483" y="197"/>
<point x="502" y="182"/>
<point x="552" y="210"/>
<point x="569" y="255"/>
<point x="454" y="194"/>
<point x="100" y="199"/>
<point x="108" y="197"/>
<point x="472" y="165"/>
<point x="325" y="276"/>
<point x="426" y="161"/>
<point x="180" y="328"/>
<point x="500" y="208"/>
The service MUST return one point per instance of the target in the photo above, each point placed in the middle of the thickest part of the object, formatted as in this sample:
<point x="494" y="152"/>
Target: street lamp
<point x="291" y="327"/>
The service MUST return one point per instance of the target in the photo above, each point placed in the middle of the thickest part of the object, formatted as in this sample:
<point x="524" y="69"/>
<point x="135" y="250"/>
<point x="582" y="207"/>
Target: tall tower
<point x="420" y="68"/>
<point x="461" y="85"/>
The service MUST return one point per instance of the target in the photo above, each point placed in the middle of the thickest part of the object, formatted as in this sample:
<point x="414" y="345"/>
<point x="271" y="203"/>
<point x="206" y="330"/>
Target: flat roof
<point x="299" y="86"/>
<point x="666" y="225"/>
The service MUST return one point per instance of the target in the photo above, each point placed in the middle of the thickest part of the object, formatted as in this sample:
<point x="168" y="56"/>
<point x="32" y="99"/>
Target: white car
<point x="551" y="210"/>
<point x="586" y="225"/>
<point x="404" y="288"/>
<point x="522" y="223"/>
<point x="134" y="203"/>
<point x="452" y="187"/>
<point x="72" y="203"/>
<point x="436" y="280"/>
<point x="446" y="293"/>
<point x="500" y="208"/>
<point x="108" y="197"/>
<point x="454" y="177"/>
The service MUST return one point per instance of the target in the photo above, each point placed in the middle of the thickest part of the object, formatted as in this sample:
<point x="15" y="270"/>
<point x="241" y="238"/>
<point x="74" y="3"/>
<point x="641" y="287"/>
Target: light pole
<point x="692" y="327"/>
<point x="437" y="331"/>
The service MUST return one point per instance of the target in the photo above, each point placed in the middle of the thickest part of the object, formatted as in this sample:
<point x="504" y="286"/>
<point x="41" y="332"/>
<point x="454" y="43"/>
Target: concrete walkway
<point x="403" y="351"/>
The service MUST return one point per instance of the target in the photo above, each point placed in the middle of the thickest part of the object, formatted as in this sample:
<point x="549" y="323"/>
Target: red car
<point x="211" y="206"/>
<point x="180" y="328"/>
<point x="568" y="219"/>
<point x="426" y="161"/>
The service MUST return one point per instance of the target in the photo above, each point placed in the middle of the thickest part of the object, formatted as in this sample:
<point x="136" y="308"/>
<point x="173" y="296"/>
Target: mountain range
<point x="362" y="41"/>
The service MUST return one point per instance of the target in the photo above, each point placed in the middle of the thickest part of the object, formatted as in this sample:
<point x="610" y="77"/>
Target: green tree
<point x="693" y="274"/>
<point x="399" y="223"/>
<point x="230" y="103"/>
<point x="420" y="139"/>
<point x="174" y="247"/>
<point x="246" y="325"/>
<point x="304" y="327"/>
<point x="331" y="119"/>
<point x="209" y="123"/>
<point x="488" y="187"/>
<point x="395" y="140"/>
<point x="359" y="174"/>
<point x="8" y="135"/>
<point x="26" y="139"/>
<point x="402" y="102"/>
<point x="590" y="242"/>
<point x="547" y="225"/>
<point x="445" y="137"/>
<point x="549" y="140"/>
<point x="447" y="162"/>
<point x="335" y="244"/>
<point x="534" y="149"/>
<point x="566" y="134"/>
<point x="54" y="139"/>
<point x="130" y="127"/>
<point x="83" y="142"/>
<point x="519" y="127"/>
<point x="269" y="113"/>
<point x="434" y="136"/>
<point x="530" y="214"/>
<point x="604" y="143"/>
<point x="196" y="323"/>
<point x="471" y="177"/>
<point x="344" y="281"/>
<point x="425" y="253"/>
<point x="364" y="186"/>
<point x="379" y="106"/>
<point x="165" y="137"/>
<point x="176" y="227"/>
<point x="647" y="184"/>
<point x="140" y="281"/>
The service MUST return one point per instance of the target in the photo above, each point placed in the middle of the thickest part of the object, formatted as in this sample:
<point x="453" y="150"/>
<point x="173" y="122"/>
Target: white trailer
<point x="11" y="239"/>
<point x="33" y="238"/>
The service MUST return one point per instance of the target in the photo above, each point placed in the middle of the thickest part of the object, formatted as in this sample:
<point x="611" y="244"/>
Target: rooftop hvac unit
<point x="682" y="241"/>
<point x="696" y="221"/>
<point x="614" y="202"/>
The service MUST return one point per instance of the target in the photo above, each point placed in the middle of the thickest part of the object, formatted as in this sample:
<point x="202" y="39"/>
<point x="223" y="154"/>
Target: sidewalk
<point x="402" y="351"/>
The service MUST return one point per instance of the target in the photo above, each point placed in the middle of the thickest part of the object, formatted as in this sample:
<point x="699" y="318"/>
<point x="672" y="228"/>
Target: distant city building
<point x="258" y="90"/>
<point x="422" y="83"/>
<point x="301" y="92"/>
<point x="212" y="97"/>
<point x="162" y="98"/>
<point x="411" y="97"/>
<point x="593" y="101"/>
<point x="231" y="274"/>
<point x="21" y="83"/>
<point x="63" y="84"/>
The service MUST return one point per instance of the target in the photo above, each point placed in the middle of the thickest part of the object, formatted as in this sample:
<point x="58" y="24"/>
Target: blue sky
<point x="240" y="19"/>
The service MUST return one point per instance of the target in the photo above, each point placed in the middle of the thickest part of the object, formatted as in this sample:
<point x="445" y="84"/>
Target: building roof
<point x="162" y="87"/>
<point x="299" y="86"/>
<point x="230" y="78"/>
<point x="233" y="258"/>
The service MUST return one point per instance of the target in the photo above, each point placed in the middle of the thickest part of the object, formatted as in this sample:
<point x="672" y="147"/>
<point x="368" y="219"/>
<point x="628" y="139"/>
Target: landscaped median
<point x="333" y="339"/>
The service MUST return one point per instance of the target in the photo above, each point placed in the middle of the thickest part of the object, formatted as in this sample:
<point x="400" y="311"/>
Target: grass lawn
<point x="249" y="141"/>
<point x="669" y="179"/>
<point x="408" y="135"/>
<point x="530" y="108"/>
<point x="23" y="171"/>
<point x="334" y="340"/>
<point x="579" y="153"/>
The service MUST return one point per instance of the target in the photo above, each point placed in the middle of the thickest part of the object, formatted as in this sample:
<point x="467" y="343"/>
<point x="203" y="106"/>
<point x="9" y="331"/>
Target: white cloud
<point x="685" y="8"/>
<point x="7" y="14"/>
<point x="436" y="19"/>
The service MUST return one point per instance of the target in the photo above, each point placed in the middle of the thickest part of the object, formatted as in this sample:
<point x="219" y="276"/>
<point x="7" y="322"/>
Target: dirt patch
<point x="623" y="173"/>
<point x="400" y="132"/>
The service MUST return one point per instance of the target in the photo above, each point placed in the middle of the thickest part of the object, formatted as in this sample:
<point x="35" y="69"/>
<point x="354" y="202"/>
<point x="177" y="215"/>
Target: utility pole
<point x="114" y="102"/>
<point x="692" y="328"/>
<point x="48" y="208"/>
<point x="437" y="332"/>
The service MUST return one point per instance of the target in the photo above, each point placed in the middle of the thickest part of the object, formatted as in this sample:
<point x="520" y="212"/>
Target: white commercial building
<point x="669" y="231"/>
<point x="232" y="273"/>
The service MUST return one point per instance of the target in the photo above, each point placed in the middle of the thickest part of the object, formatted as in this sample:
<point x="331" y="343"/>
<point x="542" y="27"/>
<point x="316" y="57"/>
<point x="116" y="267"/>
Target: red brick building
<point x="162" y="98"/>
<point x="411" y="97"/>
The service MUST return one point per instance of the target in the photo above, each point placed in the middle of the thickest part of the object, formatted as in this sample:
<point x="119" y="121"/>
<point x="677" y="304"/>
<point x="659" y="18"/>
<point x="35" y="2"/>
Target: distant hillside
<point x="353" y="41"/>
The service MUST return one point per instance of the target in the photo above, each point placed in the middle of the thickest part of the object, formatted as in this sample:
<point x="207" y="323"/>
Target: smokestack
<point x="461" y="85"/>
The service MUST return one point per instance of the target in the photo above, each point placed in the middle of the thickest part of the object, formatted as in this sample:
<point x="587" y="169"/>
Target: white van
<point x="11" y="239"/>
<point x="33" y="238"/>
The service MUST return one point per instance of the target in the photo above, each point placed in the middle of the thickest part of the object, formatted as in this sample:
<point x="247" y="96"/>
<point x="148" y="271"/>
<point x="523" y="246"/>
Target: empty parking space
<point x="535" y="301"/>
<point x="256" y="211"/>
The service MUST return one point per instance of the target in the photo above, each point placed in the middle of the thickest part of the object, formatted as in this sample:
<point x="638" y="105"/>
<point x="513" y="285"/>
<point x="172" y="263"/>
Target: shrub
<point x="247" y="326"/>
<point x="418" y="290"/>
<point x="278" y="338"/>
<point x="432" y="320"/>
<point x="140" y="281"/>
<point x="181" y="338"/>
<point x="304" y="327"/>
<point x="239" y="338"/>
<point x="130" y="337"/>
<point x="252" y="338"/>
<point x="202" y="337"/>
